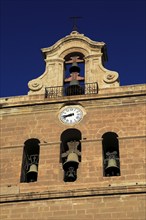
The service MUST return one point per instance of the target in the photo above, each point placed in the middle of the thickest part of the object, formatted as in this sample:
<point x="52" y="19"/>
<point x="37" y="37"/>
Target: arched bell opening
<point x="70" y="153"/>
<point x="30" y="160"/>
<point x="74" y="69"/>
<point x="111" y="157"/>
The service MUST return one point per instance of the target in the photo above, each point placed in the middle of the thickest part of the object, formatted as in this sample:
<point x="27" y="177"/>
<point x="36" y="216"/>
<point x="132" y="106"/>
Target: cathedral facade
<point x="73" y="148"/>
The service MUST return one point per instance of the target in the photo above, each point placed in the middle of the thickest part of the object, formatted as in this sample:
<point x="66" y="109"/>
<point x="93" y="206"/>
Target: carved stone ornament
<point x="35" y="84"/>
<point x="111" y="77"/>
<point x="80" y="49"/>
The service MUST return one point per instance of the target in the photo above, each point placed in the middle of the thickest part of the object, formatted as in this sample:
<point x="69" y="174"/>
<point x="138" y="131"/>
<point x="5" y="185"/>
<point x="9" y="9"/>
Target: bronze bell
<point x="32" y="173"/>
<point x="70" y="167"/>
<point x="74" y="87"/>
<point x="112" y="168"/>
<point x="72" y="159"/>
<point x="74" y="68"/>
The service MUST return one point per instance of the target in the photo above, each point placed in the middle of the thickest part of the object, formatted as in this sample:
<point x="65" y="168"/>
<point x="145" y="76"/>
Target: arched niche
<point x="30" y="160"/>
<point x="111" y="155"/>
<point x="68" y="135"/>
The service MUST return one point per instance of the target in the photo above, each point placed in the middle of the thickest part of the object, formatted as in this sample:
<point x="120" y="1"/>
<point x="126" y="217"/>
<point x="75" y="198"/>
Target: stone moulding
<point x="93" y="54"/>
<point x="84" y="192"/>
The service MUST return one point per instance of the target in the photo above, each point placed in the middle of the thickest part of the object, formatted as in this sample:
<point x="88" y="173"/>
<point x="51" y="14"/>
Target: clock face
<point x="71" y="114"/>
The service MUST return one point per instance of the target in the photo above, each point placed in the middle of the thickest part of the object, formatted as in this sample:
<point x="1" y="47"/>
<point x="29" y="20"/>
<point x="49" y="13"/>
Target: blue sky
<point x="29" y="25"/>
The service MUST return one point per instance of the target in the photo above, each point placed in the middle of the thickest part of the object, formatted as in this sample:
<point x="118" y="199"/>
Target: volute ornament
<point x="35" y="84"/>
<point x="111" y="77"/>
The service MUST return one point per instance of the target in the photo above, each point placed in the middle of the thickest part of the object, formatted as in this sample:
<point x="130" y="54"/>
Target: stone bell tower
<point x="73" y="148"/>
<point x="74" y="48"/>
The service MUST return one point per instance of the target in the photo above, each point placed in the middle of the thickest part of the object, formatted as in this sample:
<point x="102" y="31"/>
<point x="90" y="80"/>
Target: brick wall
<point x="115" y="207"/>
<point x="122" y="115"/>
<point x="128" y="122"/>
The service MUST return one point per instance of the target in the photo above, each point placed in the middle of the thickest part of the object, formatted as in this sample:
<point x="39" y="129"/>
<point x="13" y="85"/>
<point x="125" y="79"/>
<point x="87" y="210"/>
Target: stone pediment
<point x="71" y="39"/>
<point x="92" y="53"/>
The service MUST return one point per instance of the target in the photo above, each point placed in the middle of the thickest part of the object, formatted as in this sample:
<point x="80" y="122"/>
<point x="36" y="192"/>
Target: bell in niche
<point x="70" y="166"/>
<point x="74" y="88"/>
<point x="112" y="168"/>
<point x="32" y="173"/>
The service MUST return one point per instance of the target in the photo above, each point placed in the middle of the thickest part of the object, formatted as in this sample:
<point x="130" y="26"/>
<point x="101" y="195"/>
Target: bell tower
<point x="73" y="148"/>
<point x="76" y="49"/>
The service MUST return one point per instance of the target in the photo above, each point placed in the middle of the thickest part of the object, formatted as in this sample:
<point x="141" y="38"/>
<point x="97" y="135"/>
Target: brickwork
<point x="124" y="207"/>
<point x="99" y="197"/>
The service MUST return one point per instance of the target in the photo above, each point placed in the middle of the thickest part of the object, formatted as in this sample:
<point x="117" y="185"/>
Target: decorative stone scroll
<point x="57" y="56"/>
<point x="111" y="77"/>
<point x="35" y="84"/>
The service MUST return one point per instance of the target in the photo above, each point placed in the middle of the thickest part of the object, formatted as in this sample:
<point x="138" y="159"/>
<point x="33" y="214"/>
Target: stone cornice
<point x="108" y="93"/>
<point x="74" y="193"/>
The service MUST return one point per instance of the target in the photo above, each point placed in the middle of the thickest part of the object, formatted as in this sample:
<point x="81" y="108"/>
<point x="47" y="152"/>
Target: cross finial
<point x="74" y="19"/>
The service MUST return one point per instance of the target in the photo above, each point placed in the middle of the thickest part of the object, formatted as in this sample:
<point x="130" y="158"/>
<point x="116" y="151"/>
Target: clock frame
<point x="71" y="114"/>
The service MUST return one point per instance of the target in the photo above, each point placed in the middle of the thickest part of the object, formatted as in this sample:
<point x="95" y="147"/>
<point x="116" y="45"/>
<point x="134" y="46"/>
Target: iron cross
<point x="74" y="19"/>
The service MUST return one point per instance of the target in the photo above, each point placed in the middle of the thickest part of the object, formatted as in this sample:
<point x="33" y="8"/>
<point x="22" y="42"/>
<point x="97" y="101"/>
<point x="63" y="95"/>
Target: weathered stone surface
<point x="121" y="110"/>
<point x="92" y="52"/>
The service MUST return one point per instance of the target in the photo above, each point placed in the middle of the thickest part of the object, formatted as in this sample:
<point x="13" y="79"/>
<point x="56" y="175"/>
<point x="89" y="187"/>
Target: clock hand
<point x="65" y="116"/>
